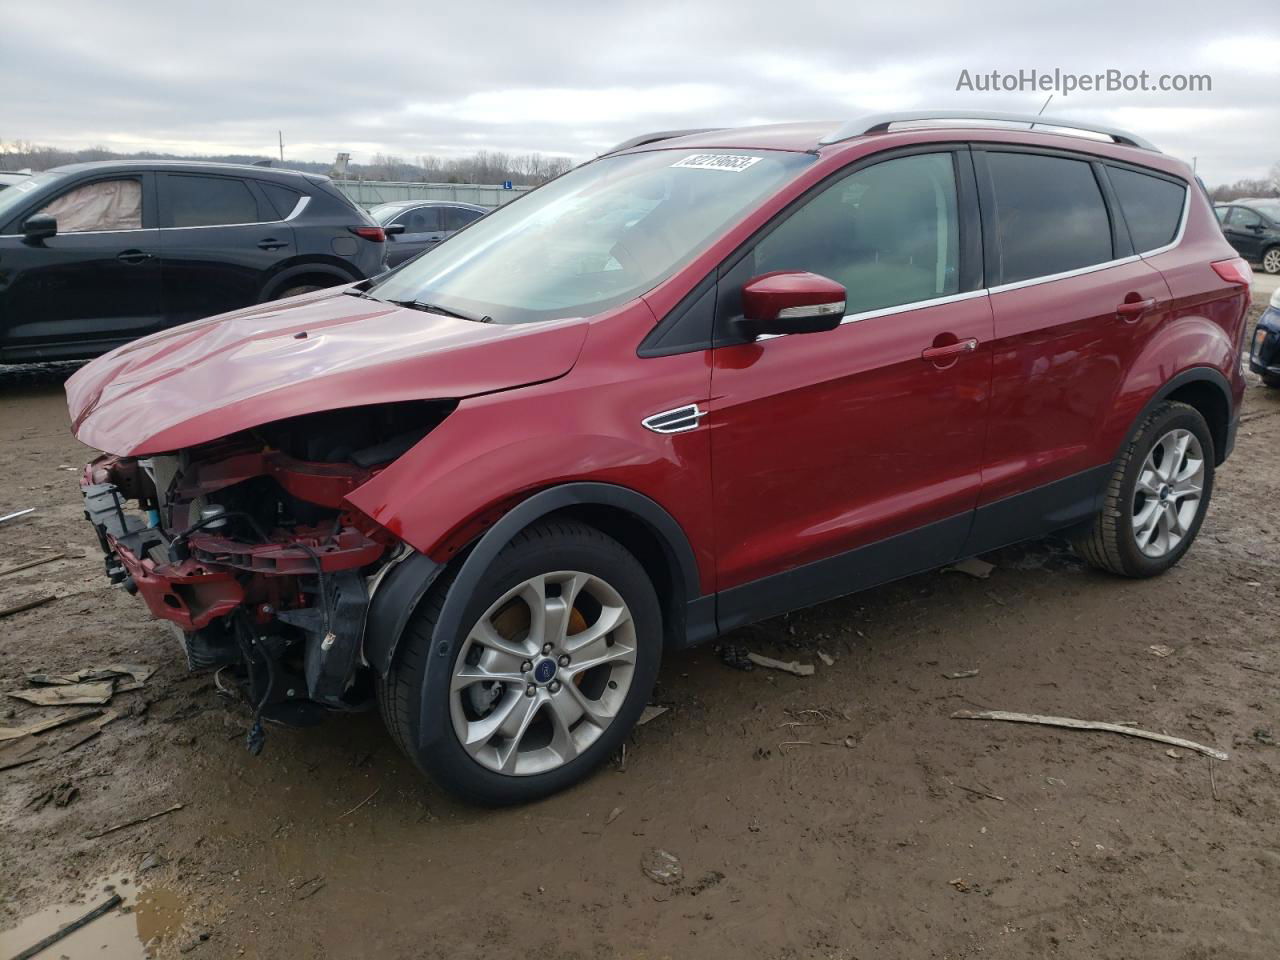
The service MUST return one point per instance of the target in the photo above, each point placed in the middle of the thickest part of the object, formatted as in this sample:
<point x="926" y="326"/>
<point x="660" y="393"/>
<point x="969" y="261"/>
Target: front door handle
<point x="949" y="350"/>
<point x="133" y="256"/>
<point x="271" y="243"/>
<point x="1132" y="310"/>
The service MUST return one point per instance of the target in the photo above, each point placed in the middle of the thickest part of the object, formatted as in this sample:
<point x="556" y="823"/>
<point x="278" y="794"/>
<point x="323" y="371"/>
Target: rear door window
<point x="1050" y="215"/>
<point x="1152" y="207"/>
<point x="455" y="218"/>
<point x="192" y="201"/>
<point x="1243" y="217"/>
<point x="888" y="232"/>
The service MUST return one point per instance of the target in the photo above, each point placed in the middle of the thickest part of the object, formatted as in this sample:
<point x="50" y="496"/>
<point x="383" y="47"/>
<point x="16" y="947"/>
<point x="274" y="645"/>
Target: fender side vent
<point x="679" y="420"/>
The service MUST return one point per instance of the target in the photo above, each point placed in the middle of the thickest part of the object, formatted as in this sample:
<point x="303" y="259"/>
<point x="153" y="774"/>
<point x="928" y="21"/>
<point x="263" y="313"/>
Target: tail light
<point x="1236" y="270"/>
<point x="378" y="235"/>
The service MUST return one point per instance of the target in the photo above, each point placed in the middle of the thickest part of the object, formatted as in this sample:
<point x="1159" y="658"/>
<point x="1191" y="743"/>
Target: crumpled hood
<point x="205" y="380"/>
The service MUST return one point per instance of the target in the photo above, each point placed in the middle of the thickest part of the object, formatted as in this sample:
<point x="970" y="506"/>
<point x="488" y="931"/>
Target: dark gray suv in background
<point x="93" y="255"/>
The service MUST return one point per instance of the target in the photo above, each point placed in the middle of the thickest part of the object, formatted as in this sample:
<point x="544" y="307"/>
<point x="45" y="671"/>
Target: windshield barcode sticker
<point x="728" y="162"/>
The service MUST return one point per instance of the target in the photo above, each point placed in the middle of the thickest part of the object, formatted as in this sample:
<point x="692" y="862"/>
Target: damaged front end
<point x="248" y="546"/>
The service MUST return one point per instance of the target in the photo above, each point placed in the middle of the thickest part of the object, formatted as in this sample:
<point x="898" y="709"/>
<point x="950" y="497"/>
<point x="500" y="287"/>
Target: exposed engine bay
<point x="249" y="548"/>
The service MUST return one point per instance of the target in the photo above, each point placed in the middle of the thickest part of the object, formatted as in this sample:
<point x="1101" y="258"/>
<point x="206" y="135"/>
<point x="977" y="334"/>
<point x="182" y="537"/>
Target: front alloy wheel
<point x="559" y="657"/>
<point x="1271" y="260"/>
<point x="543" y="673"/>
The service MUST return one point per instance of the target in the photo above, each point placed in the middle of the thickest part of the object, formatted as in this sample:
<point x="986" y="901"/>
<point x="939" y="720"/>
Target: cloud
<point x="566" y="77"/>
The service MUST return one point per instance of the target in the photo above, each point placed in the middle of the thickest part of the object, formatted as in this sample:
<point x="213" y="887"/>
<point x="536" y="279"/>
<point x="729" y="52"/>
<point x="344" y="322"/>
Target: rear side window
<point x="455" y="218"/>
<point x="1152" y="207"/>
<point x="281" y="198"/>
<point x="1050" y="215"/>
<point x="888" y="233"/>
<point x="207" y="201"/>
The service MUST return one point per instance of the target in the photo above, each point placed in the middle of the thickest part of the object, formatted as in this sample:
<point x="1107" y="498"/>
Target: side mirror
<point x="37" y="229"/>
<point x="394" y="230"/>
<point x="790" y="302"/>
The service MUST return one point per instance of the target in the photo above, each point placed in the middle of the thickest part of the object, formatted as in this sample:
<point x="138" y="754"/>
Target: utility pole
<point x="280" y="135"/>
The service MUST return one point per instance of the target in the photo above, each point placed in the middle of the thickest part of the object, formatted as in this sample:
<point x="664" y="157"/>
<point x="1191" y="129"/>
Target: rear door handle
<point x="133" y="256"/>
<point x="1133" y="311"/>
<point x="950" y="350"/>
<point x="271" y="243"/>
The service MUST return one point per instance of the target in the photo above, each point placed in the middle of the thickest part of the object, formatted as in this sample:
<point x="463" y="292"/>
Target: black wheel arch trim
<point x="482" y="553"/>
<point x="281" y="280"/>
<point x="1194" y="375"/>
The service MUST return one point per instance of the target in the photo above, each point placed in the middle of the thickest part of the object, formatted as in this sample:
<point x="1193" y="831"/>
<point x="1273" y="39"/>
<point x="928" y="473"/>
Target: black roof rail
<point x="880" y="123"/>
<point x="656" y="137"/>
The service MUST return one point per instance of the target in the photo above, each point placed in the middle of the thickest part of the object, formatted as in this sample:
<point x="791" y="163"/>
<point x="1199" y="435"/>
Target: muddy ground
<point x="845" y="815"/>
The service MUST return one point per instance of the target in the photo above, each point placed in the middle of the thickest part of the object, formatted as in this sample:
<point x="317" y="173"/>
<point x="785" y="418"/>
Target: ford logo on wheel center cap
<point x="544" y="671"/>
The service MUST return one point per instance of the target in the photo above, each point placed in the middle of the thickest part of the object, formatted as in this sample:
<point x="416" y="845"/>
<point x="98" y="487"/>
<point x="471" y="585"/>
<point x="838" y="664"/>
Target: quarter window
<point x="207" y="201"/>
<point x="1050" y="215"/>
<point x="282" y="199"/>
<point x="1152" y="207"/>
<point x="104" y="205"/>
<point x="888" y="233"/>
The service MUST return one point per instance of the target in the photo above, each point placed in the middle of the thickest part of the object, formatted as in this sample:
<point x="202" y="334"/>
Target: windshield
<point x="594" y="238"/>
<point x="18" y="194"/>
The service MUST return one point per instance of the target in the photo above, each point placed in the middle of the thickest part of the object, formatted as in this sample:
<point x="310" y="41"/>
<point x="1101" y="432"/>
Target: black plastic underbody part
<point x="332" y="646"/>
<point x="393" y="603"/>
<point x="104" y="509"/>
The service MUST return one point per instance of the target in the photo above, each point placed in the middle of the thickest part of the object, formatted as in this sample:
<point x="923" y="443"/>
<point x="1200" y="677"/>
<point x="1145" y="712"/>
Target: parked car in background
<point x="1264" y="349"/>
<point x="425" y="223"/>
<point x="11" y="178"/>
<point x="94" y="255"/>
<point x="482" y="485"/>
<point x="1253" y="228"/>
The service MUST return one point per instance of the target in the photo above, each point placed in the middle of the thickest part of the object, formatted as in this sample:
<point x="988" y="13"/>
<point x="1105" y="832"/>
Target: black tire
<point x="547" y="546"/>
<point x="1271" y="380"/>
<point x="298" y="291"/>
<point x="1108" y="542"/>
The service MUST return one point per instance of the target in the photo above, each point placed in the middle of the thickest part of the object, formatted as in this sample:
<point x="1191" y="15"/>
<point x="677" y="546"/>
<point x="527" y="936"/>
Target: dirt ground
<point x="844" y="815"/>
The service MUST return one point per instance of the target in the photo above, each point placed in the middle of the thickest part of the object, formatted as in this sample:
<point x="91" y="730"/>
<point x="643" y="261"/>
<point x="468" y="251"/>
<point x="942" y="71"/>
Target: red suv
<point x="704" y="379"/>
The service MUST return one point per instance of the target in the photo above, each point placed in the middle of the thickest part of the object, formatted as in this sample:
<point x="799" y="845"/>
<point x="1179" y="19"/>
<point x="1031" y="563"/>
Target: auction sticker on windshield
<point x="728" y="162"/>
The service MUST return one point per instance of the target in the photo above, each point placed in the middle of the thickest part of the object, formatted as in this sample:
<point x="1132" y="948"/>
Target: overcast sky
<point x="573" y="78"/>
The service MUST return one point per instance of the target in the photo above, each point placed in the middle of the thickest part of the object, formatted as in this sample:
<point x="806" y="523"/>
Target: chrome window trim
<point x="889" y="311"/>
<point x="298" y="208"/>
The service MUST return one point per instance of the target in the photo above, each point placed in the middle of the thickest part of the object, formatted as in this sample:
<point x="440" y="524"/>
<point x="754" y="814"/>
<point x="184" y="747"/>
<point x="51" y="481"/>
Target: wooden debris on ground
<point x="961" y="674"/>
<point x="1073" y="724"/>
<point x="1161" y="650"/>
<point x="794" y="667"/>
<point x="94" y="693"/>
<point x="37" y="948"/>
<point x="26" y="605"/>
<point x="31" y="563"/>
<point x="975" y="567"/>
<point x="827" y="659"/>
<point x="46" y="723"/>
<point x="361" y="803"/>
<point x="16" y="514"/>
<point x="134" y="822"/>
<point x="614" y="814"/>
<point x="17" y="752"/>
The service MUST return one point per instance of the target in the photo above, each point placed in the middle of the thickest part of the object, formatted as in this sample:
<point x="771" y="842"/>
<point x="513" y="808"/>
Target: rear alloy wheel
<point x="1157" y="496"/>
<point x="558" y="658"/>
<point x="1271" y="260"/>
